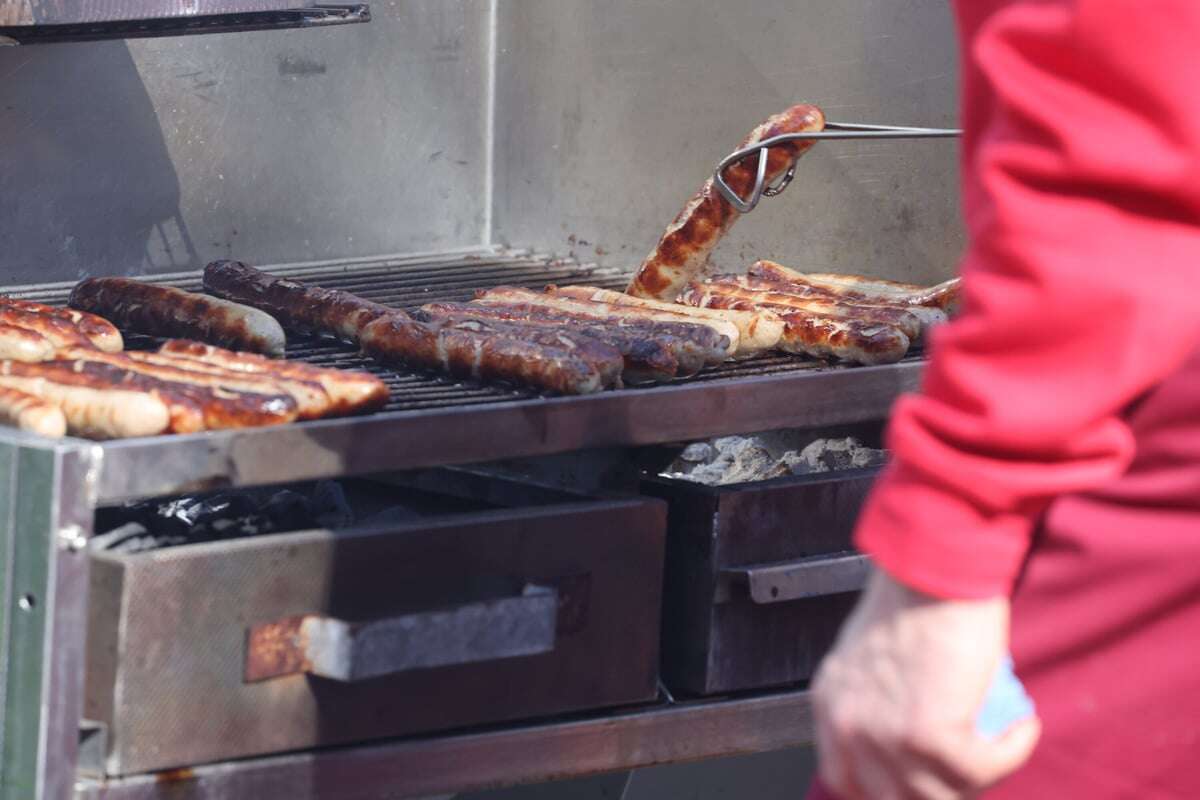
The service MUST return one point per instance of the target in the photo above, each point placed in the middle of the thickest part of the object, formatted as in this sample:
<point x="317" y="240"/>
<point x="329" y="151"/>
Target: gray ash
<point x="748" y="459"/>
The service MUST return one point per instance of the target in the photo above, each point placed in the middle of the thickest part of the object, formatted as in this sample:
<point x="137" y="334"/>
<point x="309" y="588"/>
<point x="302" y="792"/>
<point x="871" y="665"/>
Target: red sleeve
<point x="1081" y="281"/>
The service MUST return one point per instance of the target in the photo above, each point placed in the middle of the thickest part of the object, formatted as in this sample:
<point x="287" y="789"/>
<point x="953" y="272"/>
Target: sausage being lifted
<point x="483" y="352"/>
<point x="351" y="392"/>
<point x="682" y="254"/>
<point x="169" y="312"/>
<point x="31" y="413"/>
<point x="100" y="332"/>
<point x="308" y="309"/>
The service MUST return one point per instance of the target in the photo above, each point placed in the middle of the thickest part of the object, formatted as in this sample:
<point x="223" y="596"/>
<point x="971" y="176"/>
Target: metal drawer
<point x="252" y="646"/>
<point x="759" y="577"/>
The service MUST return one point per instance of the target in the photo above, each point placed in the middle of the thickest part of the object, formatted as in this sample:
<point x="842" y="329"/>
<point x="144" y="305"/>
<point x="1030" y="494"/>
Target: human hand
<point x="896" y="701"/>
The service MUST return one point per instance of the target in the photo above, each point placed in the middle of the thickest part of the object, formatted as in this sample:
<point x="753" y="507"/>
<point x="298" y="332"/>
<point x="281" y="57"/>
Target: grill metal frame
<point x="435" y="421"/>
<point x="49" y="490"/>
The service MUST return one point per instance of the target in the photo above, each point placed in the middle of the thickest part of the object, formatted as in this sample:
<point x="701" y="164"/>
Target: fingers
<point x="986" y="762"/>
<point x="967" y="763"/>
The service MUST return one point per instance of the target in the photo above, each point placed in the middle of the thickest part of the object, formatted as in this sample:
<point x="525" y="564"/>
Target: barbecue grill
<point x="490" y="144"/>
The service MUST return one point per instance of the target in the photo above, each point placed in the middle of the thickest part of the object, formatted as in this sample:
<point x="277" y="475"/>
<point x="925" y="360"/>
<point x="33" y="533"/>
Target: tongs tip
<point x="833" y="130"/>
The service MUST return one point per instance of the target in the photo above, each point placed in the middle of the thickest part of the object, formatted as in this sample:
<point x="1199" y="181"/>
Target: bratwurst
<point x="165" y="311"/>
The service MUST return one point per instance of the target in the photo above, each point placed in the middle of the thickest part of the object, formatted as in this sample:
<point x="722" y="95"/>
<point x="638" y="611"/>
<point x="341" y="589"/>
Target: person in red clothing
<point x="1044" y="495"/>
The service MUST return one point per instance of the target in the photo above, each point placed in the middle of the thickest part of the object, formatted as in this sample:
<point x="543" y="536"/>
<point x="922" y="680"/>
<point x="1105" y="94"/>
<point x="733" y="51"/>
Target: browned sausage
<point x="22" y="344"/>
<point x="166" y="311"/>
<point x="647" y="360"/>
<point x="775" y="296"/>
<point x="757" y="330"/>
<point x="482" y="353"/>
<point x="818" y="335"/>
<point x="59" y="332"/>
<point x="703" y="340"/>
<point x="197" y="401"/>
<point x="31" y="413"/>
<point x="352" y="392"/>
<point x="102" y="333"/>
<point x="682" y="254"/>
<point x="308" y="309"/>
<point x="93" y="406"/>
<point x="855" y="288"/>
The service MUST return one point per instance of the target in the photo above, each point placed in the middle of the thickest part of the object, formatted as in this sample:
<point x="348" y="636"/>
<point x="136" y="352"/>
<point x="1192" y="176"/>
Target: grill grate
<point x="408" y="283"/>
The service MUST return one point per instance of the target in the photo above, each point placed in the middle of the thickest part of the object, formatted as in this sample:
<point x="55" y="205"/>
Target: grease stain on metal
<point x="296" y="66"/>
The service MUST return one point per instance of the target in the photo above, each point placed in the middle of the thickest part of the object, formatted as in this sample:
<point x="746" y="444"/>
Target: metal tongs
<point x="833" y="130"/>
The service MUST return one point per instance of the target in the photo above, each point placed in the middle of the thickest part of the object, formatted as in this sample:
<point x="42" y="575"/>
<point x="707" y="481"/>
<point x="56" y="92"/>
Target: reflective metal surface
<point x="609" y="116"/>
<point x="152" y="155"/>
<point x="487" y="759"/>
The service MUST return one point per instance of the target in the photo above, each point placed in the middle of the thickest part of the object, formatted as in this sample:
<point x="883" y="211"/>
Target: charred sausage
<point x="481" y="352"/>
<point x="308" y="309"/>
<point x="758" y="331"/>
<point x="165" y="311"/>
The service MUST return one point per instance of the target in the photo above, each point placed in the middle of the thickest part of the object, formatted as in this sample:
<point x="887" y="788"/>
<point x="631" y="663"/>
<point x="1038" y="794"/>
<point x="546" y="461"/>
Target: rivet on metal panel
<point x="72" y="538"/>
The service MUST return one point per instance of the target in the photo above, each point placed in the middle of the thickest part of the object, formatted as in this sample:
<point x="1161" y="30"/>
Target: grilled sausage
<point x="31" y="413"/>
<point x="99" y="331"/>
<point x="646" y="359"/>
<point x="59" y="332"/>
<point x="352" y="392"/>
<point x="197" y="401"/>
<point x="312" y="401"/>
<point x="22" y="344"/>
<point x="818" y="335"/>
<point x="855" y="288"/>
<point x="308" y="309"/>
<point x="782" y="279"/>
<point x="776" y="297"/>
<point x="166" y="311"/>
<point x="692" y="348"/>
<point x="682" y="254"/>
<point x="92" y="406"/>
<point x="757" y="330"/>
<point x="481" y="353"/>
<point x="715" y="347"/>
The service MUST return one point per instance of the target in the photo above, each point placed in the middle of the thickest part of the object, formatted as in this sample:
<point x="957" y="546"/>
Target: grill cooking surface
<point x="409" y="284"/>
<point x="433" y="420"/>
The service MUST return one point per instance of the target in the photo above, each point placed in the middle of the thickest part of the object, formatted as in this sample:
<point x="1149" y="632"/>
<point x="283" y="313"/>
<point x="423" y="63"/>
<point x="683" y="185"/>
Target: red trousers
<point x="1106" y="622"/>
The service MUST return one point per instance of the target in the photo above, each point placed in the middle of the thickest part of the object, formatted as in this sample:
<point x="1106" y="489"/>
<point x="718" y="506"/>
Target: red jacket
<point x="1054" y="453"/>
<point x="1081" y="165"/>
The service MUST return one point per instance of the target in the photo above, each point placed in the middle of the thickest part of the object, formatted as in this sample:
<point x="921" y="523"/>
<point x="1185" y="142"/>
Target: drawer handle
<point x="816" y="576"/>
<point x="357" y="651"/>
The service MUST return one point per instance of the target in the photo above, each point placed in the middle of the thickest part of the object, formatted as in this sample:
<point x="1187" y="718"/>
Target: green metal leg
<point x="43" y="596"/>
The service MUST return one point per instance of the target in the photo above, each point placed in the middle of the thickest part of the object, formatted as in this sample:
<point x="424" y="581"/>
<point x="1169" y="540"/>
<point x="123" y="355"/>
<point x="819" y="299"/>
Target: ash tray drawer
<point x="758" y="577"/>
<point x="289" y="641"/>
